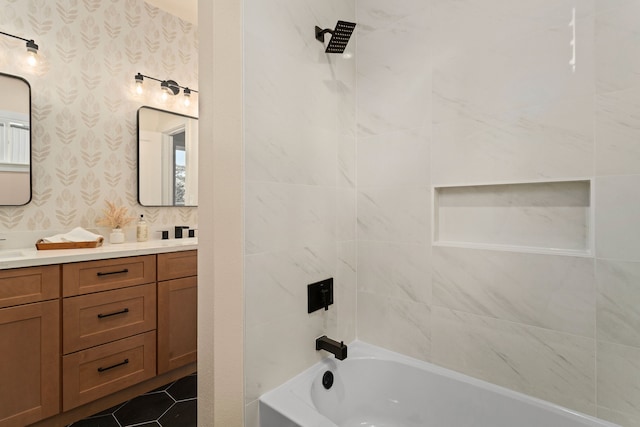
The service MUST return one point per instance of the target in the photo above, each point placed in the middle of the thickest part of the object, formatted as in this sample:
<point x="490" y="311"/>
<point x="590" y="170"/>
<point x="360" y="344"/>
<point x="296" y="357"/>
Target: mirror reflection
<point x="167" y="158"/>
<point x="15" y="141"/>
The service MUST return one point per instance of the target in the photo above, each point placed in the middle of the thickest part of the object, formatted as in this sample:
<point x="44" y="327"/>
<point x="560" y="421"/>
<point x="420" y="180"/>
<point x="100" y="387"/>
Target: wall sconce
<point x="32" y="49"/>
<point x="168" y="87"/>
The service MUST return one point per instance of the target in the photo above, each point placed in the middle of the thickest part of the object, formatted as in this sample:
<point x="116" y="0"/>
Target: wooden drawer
<point x="27" y="285"/>
<point x="91" y="374"/>
<point x="175" y="265"/>
<point x="103" y="275"/>
<point x="94" y="319"/>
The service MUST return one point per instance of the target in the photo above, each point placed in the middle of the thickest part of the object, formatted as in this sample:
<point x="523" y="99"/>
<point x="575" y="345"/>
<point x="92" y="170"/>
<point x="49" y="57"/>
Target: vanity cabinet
<point x="29" y="335"/>
<point x="177" y="310"/>
<point x="108" y="327"/>
<point x="80" y="337"/>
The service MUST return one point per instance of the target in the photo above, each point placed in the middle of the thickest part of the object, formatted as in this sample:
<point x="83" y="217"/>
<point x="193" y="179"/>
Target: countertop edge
<point x="34" y="258"/>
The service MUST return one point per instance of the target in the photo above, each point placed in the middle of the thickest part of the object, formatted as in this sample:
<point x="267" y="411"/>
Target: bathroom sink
<point x="10" y="255"/>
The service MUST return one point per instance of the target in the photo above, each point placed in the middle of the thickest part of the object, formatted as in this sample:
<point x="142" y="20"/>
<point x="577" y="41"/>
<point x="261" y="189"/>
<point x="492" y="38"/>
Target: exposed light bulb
<point x="139" y="80"/>
<point x="187" y="97"/>
<point x="32" y="53"/>
<point x="164" y="87"/>
<point x="32" y="59"/>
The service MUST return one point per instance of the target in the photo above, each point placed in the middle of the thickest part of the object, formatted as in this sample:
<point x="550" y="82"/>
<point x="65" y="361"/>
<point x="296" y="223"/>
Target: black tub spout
<point x="338" y="349"/>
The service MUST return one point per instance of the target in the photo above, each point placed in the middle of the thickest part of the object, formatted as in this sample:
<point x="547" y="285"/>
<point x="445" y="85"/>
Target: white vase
<point x="116" y="236"/>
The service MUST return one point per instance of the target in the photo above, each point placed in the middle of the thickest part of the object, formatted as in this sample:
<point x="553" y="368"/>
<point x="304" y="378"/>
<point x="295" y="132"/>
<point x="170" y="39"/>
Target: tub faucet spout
<point x="337" y="348"/>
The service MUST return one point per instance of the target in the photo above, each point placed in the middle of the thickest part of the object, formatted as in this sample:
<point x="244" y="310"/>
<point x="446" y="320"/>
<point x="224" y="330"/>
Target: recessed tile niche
<point x="548" y="217"/>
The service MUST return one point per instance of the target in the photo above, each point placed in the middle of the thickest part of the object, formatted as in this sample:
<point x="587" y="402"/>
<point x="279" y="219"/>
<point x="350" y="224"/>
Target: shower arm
<point x="320" y="33"/>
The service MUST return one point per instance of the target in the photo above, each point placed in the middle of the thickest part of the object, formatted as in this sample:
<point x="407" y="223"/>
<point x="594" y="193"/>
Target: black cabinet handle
<point x="126" y="270"/>
<point x="102" y="316"/>
<point x="125" y="362"/>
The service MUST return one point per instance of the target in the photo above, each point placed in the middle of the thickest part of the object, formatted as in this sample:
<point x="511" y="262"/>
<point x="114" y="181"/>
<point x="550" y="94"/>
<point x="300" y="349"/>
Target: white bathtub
<point x="374" y="387"/>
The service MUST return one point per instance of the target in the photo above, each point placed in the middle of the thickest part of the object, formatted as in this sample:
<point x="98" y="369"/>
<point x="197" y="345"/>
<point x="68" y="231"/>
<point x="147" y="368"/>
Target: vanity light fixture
<point x="169" y="88"/>
<point x="32" y="48"/>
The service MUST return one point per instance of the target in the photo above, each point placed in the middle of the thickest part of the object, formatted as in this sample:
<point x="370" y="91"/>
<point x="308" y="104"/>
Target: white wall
<point x="486" y="91"/>
<point x="299" y="112"/>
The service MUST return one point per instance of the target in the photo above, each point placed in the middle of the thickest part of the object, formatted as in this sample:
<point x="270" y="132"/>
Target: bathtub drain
<point x="327" y="380"/>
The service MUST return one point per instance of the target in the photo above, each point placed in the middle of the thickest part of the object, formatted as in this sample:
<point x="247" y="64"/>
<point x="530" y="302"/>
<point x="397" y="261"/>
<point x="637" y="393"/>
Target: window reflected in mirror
<point x="167" y="158"/>
<point x="15" y="141"/>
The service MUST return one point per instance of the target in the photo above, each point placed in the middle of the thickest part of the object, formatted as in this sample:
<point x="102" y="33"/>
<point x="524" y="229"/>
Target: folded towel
<point x="78" y="234"/>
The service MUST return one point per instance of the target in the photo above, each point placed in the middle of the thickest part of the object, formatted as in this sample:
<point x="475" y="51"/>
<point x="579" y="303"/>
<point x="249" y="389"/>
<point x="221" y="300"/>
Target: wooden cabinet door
<point x="177" y="323"/>
<point x="29" y="363"/>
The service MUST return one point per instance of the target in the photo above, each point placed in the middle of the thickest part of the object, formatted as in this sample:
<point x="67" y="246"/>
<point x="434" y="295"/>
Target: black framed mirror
<point x="15" y="141"/>
<point x="167" y="158"/>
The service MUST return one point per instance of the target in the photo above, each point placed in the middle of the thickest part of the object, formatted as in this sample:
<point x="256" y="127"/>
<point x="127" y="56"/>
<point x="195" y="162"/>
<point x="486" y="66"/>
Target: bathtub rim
<point x="293" y="398"/>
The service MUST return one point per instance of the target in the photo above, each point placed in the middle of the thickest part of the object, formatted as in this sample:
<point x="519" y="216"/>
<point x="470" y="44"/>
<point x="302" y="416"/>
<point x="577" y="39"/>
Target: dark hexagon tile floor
<point x="172" y="405"/>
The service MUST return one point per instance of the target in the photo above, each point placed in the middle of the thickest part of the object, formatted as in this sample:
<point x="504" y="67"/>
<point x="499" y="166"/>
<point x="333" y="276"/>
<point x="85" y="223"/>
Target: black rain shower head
<point x="339" y="37"/>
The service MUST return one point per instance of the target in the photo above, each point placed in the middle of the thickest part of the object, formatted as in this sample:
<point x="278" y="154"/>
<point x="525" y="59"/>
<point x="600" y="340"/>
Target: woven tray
<point x="42" y="245"/>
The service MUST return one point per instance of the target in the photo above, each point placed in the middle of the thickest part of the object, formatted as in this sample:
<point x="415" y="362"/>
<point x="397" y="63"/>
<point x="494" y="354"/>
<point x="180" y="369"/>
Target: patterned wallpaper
<point x="84" y="105"/>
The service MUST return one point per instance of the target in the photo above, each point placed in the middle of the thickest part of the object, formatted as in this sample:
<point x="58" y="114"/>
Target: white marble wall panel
<point x="276" y="282"/>
<point x="345" y="213"/>
<point x="529" y="67"/>
<point x="252" y="414"/>
<point x="394" y="159"/>
<point x="283" y="216"/>
<point x="619" y="378"/>
<point x="511" y="108"/>
<point x="279" y="350"/>
<point x="552" y="215"/>
<point x="398" y="325"/>
<point x="617" y="209"/>
<point x="618" y="302"/>
<point x="617" y="53"/>
<point x="347" y="161"/>
<point x="618" y="132"/>
<point x="396" y="270"/>
<point x="380" y="14"/>
<point x="547" y="291"/>
<point x="288" y="151"/>
<point x="550" y="365"/>
<point x="625" y="420"/>
<point x="346" y="291"/>
<point x="483" y="23"/>
<point x="470" y="144"/>
<point x="394" y="74"/>
<point x="394" y="215"/>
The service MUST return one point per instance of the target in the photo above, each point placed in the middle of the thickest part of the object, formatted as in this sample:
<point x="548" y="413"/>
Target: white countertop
<point x="30" y="257"/>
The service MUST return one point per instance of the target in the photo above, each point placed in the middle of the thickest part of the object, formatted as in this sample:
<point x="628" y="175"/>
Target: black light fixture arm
<point x="31" y="45"/>
<point x="168" y="82"/>
<point x="15" y="37"/>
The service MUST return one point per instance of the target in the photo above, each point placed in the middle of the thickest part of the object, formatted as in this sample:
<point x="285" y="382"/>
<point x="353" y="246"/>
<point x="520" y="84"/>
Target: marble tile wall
<point x="475" y="92"/>
<point x="300" y="197"/>
<point x="394" y="130"/>
<point x="84" y="105"/>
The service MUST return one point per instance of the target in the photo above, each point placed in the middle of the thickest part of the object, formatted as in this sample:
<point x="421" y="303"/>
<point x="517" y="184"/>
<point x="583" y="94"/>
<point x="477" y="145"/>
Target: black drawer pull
<point x="102" y="316"/>
<point x="125" y="362"/>
<point x="126" y="270"/>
